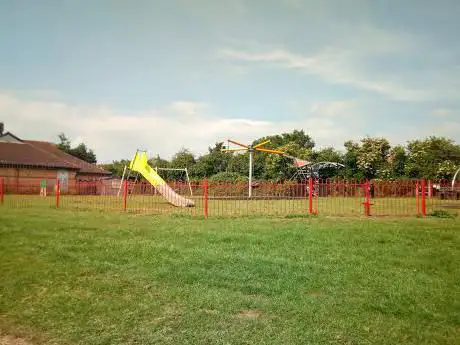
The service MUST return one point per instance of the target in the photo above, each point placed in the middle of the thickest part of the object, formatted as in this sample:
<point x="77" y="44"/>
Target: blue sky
<point x="122" y="75"/>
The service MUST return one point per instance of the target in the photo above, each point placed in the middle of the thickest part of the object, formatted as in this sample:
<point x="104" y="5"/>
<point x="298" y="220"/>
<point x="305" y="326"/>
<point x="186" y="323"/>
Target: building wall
<point x="27" y="180"/>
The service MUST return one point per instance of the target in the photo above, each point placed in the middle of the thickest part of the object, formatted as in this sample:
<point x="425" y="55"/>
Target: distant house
<point x="29" y="161"/>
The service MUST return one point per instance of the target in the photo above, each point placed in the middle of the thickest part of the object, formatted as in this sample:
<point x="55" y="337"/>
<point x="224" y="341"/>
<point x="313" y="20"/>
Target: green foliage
<point x="228" y="177"/>
<point x="433" y="157"/>
<point x="81" y="151"/>
<point x="213" y="162"/>
<point x="372" y="158"/>
<point x="442" y="214"/>
<point x="116" y="167"/>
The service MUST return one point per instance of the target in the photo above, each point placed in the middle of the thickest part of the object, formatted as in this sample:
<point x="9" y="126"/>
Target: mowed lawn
<point x="110" y="278"/>
<point x="326" y="206"/>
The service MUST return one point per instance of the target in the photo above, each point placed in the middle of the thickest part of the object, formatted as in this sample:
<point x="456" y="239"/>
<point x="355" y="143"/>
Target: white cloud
<point x="363" y="57"/>
<point x="116" y="135"/>
<point x="336" y="67"/>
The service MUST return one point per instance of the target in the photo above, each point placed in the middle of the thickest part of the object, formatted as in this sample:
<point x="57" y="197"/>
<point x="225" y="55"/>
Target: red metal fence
<point x="323" y="197"/>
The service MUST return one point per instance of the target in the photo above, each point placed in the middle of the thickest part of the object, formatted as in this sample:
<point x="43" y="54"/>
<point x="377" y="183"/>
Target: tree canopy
<point x="80" y="151"/>
<point x="369" y="157"/>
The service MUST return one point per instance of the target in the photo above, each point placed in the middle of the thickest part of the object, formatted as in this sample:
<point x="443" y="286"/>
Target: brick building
<point x="25" y="163"/>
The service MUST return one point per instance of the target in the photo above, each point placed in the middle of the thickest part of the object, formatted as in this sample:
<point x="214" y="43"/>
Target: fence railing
<point x="319" y="197"/>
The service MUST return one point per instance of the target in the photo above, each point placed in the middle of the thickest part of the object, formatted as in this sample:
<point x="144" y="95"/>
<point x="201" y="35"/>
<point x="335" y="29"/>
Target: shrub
<point x="228" y="177"/>
<point x="442" y="214"/>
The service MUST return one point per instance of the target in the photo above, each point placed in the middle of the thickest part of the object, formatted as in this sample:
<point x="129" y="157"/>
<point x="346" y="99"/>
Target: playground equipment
<point x="251" y="149"/>
<point x="455" y="178"/>
<point x="139" y="164"/>
<point x="306" y="169"/>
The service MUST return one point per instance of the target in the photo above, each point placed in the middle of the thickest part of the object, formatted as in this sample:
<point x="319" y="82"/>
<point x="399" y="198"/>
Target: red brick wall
<point x="27" y="180"/>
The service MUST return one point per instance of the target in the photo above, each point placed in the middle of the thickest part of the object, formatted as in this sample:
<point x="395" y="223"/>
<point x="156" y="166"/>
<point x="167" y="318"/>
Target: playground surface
<point x="91" y="277"/>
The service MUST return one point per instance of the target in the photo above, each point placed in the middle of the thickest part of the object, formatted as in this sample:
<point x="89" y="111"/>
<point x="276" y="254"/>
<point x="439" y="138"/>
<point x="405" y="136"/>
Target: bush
<point x="442" y="214"/>
<point x="228" y="177"/>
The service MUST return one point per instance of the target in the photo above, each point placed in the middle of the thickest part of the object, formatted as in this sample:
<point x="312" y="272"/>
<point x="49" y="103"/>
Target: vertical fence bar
<point x="367" y="196"/>
<point x="310" y="195"/>
<point x="125" y="194"/>
<point x="205" y="195"/>
<point x="423" y="198"/>
<point x="417" y="201"/>
<point x="2" y="191"/>
<point x="58" y="192"/>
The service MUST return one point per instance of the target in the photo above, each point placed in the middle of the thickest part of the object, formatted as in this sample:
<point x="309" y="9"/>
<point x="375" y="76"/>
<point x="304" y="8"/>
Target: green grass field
<point x="332" y="206"/>
<point x="111" y="278"/>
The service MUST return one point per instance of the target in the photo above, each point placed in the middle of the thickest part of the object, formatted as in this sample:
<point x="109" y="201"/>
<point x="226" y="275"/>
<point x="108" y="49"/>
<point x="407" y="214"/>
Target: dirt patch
<point x="9" y="340"/>
<point x="249" y="314"/>
<point x="315" y="293"/>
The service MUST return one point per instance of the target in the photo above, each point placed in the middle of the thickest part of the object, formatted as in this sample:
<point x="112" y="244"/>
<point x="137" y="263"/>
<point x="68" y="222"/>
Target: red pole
<point x="2" y="192"/>
<point x="423" y="198"/>
<point x="367" y="195"/>
<point x="125" y="195"/>
<point x="58" y="192"/>
<point x="206" y="187"/>
<point x="310" y="195"/>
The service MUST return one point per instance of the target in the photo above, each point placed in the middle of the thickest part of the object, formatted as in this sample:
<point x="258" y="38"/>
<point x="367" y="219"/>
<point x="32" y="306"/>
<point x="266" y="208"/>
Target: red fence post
<point x="367" y="201"/>
<point x="125" y="195"/>
<point x="2" y="190"/>
<point x="310" y="195"/>
<point x="205" y="194"/>
<point x="58" y="192"/>
<point x="423" y="198"/>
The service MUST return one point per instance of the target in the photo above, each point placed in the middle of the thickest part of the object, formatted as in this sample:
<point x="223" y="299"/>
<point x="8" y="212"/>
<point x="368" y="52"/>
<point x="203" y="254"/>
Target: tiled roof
<point x="26" y="154"/>
<point x="85" y="167"/>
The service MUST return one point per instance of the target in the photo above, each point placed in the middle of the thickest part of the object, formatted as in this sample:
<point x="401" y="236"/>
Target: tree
<point x="397" y="162"/>
<point x="297" y="136"/>
<point x="81" y="151"/>
<point x="433" y="157"/>
<point x="182" y="159"/>
<point x="215" y="161"/>
<point x="116" y="167"/>
<point x="64" y="143"/>
<point x="280" y="167"/>
<point x="328" y="154"/>
<point x="368" y="158"/>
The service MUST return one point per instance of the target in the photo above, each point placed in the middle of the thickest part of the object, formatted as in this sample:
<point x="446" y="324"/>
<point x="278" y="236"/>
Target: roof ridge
<point x="51" y="154"/>
<point x="67" y="157"/>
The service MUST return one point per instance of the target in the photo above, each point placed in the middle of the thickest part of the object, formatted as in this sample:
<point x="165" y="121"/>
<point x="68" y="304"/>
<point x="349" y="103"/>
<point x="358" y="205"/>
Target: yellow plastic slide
<point x="140" y="164"/>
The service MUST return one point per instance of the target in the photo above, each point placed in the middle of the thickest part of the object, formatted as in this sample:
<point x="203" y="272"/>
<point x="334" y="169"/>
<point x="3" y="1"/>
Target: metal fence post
<point x="310" y="195"/>
<point x="58" y="192"/>
<point x="367" y="201"/>
<point x="125" y="195"/>
<point x="2" y="190"/>
<point x="423" y="197"/>
<point x="417" y="201"/>
<point x="205" y="194"/>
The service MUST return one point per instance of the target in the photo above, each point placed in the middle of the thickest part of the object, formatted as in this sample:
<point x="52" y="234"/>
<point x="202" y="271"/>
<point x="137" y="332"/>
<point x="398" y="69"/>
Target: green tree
<point x="280" y="167"/>
<point x="215" y="161"/>
<point x="397" y="162"/>
<point x="298" y="137"/>
<point x="368" y="158"/>
<point x="116" y="167"/>
<point x="328" y="154"/>
<point x="433" y="157"/>
<point x="81" y="151"/>
<point x="182" y="159"/>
